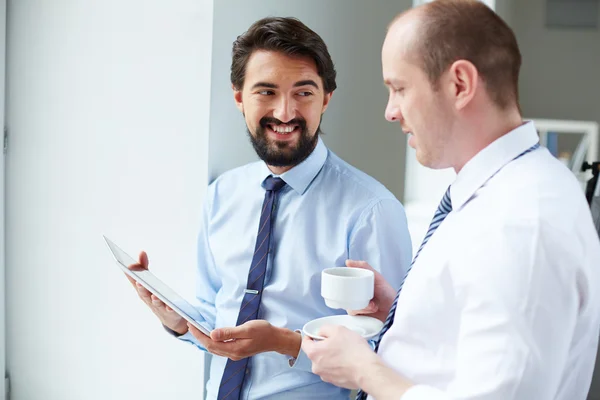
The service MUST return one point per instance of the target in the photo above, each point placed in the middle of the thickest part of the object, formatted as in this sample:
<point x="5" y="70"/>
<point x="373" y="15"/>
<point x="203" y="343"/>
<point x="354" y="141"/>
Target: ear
<point x="237" y="97"/>
<point x="326" y="99"/>
<point x="464" y="81"/>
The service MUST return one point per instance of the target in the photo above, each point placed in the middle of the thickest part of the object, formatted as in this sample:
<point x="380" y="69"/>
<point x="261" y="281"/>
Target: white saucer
<point x="367" y="327"/>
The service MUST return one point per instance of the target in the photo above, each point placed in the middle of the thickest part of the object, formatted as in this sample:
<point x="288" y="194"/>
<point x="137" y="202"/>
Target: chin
<point x="424" y="159"/>
<point x="279" y="146"/>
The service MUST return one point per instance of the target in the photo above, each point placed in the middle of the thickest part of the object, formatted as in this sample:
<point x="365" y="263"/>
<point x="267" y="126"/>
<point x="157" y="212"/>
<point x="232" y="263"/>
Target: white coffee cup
<point x="347" y="288"/>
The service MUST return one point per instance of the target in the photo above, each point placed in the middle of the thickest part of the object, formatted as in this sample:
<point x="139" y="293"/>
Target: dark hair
<point x="285" y="35"/>
<point x="452" y="30"/>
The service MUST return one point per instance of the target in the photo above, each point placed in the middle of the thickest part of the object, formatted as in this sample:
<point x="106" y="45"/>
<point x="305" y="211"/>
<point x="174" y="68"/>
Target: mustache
<point x="264" y="121"/>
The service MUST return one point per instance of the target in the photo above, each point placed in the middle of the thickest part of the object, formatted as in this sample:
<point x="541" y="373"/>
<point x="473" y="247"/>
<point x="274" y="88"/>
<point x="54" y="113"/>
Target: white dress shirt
<point x="503" y="303"/>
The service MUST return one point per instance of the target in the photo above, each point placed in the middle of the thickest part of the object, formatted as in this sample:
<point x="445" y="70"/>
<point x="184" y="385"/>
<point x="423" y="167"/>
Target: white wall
<point x="2" y="231"/>
<point x="108" y="115"/>
<point x="354" y="123"/>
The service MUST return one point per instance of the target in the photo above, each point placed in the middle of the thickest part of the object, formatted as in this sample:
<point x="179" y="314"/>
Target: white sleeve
<point x="516" y="288"/>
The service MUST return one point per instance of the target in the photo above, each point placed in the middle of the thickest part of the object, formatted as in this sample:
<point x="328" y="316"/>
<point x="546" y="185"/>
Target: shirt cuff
<point x="301" y="361"/>
<point x="186" y="337"/>
<point x="422" y="392"/>
<point x="171" y="331"/>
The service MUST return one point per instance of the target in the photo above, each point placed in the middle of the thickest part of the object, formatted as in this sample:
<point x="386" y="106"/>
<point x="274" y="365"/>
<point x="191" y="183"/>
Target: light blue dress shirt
<point x="328" y="212"/>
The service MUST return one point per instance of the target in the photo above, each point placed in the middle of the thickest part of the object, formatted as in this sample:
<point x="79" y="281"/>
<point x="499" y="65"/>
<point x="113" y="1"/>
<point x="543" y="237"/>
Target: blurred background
<point x="118" y="113"/>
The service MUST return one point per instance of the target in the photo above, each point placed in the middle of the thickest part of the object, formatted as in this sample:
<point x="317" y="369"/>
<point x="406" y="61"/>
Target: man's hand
<point x="165" y="314"/>
<point x="246" y="340"/>
<point x="383" y="298"/>
<point x="345" y="359"/>
<point x="341" y="358"/>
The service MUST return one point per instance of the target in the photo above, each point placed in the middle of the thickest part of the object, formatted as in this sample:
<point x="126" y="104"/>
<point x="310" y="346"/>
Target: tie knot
<point x="274" y="184"/>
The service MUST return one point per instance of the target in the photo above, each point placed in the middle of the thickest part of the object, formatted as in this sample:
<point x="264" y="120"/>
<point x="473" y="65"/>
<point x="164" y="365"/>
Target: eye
<point x="305" y="94"/>
<point x="266" y="92"/>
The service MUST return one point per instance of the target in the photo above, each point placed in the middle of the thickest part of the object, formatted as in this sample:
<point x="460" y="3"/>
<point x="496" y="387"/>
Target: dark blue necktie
<point x="441" y="213"/>
<point x="235" y="371"/>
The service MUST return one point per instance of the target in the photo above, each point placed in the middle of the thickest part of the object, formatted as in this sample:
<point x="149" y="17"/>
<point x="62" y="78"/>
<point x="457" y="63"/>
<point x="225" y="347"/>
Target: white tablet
<point x="158" y="288"/>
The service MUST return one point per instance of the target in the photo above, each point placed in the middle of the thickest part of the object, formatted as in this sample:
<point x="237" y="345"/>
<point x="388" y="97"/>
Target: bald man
<point x="502" y="300"/>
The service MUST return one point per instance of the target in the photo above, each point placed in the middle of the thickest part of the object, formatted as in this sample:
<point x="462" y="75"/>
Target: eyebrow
<point x="307" y="82"/>
<point x="393" y="82"/>
<point x="264" y="85"/>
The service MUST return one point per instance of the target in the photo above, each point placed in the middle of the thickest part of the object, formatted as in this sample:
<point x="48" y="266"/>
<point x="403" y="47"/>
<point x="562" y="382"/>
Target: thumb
<point x="369" y="309"/>
<point x="223" y="334"/>
<point x="328" y="331"/>
<point x="143" y="259"/>
<point x="359" y="264"/>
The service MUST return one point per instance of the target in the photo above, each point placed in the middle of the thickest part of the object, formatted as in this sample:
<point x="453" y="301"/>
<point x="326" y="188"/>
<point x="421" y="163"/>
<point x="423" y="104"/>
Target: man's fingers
<point x="359" y="264"/>
<point x="142" y="264"/>
<point x="223" y="334"/>
<point x="131" y="280"/>
<point x="143" y="259"/>
<point x="309" y="346"/>
<point x="329" y="330"/>
<point x="142" y="291"/>
<point x="202" y="338"/>
<point x="370" y="309"/>
<point x="156" y="302"/>
<point x="229" y="349"/>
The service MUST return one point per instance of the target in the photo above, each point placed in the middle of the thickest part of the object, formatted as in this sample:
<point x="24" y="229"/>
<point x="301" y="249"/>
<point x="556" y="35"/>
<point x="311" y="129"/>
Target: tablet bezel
<point x="114" y="249"/>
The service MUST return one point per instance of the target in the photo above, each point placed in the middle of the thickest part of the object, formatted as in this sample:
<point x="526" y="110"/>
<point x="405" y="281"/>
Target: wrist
<point x="380" y="381"/>
<point x="369" y="366"/>
<point x="288" y="342"/>
<point x="180" y="328"/>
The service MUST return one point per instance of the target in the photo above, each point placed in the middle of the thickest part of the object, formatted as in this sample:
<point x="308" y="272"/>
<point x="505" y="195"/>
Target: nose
<point x="392" y="111"/>
<point x="285" y="109"/>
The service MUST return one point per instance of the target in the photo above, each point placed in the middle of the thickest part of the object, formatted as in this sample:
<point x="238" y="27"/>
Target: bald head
<point x="403" y="32"/>
<point x="436" y="34"/>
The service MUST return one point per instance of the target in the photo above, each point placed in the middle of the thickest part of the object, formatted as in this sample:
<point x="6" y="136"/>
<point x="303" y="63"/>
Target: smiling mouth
<point x="284" y="129"/>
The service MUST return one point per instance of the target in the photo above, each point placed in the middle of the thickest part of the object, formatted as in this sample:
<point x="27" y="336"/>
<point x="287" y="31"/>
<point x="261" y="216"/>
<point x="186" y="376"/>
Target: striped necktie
<point x="235" y="371"/>
<point x="441" y="213"/>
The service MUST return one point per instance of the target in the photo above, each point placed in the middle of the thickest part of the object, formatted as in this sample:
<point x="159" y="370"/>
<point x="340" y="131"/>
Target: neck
<point x="279" y="170"/>
<point x="482" y="130"/>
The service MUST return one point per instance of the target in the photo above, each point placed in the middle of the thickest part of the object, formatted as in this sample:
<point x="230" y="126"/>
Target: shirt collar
<point x="300" y="176"/>
<point x="489" y="161"/>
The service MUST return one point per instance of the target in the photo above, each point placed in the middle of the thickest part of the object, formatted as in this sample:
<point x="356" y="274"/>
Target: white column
<point x="2" y="206"/>
<point x="108" y="108"/>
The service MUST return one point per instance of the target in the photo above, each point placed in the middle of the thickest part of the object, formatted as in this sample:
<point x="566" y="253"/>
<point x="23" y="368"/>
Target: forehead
<point x="395" y="64"/>
<point x="280" y="69"/>
<point x="398" y="52"/>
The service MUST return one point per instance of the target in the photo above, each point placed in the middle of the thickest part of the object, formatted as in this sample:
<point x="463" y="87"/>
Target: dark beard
<point x="280" y="154"/>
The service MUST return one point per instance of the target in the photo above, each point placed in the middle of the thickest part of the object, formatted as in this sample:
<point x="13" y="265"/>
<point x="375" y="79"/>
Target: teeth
<point x="283" y="129"/>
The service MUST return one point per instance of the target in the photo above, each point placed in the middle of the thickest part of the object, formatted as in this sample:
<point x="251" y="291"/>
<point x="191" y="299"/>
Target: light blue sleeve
<point x="208" y="282"/>
<point x="381" y="238"/>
